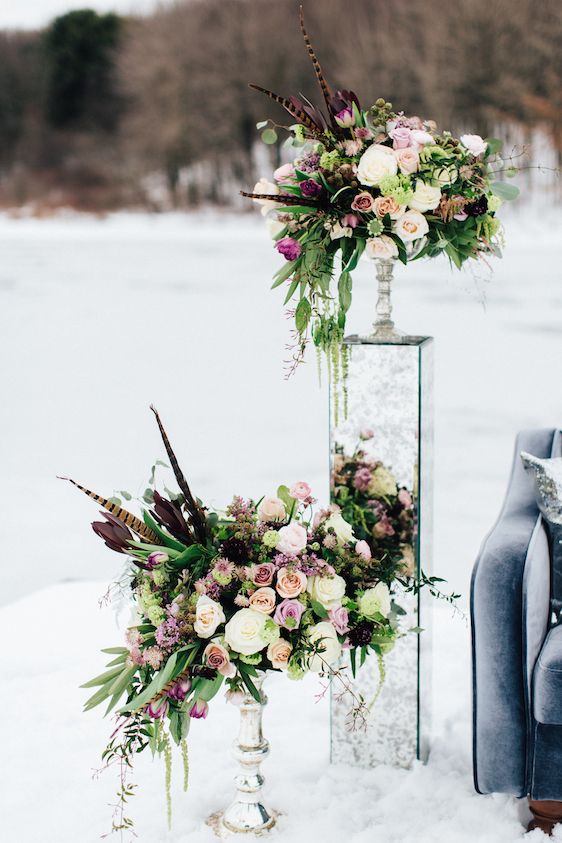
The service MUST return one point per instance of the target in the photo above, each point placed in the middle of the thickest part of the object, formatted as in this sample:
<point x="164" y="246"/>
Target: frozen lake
<point x="99" y="318"/>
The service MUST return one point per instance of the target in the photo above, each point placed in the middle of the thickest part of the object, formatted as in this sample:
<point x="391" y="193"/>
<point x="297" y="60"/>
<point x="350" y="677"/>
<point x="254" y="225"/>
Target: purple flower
<point x="289" y="248"/>
<point x="310" y="188"/>
<point x="199" y="709"/>
<point x="289" y="613"/>
<point x="339" y="619"/>
<point x="362" y="479"/>
<point x="345" y="118"/>
<point x="180" y="690"/>
<point x="309" y="163"/>
<point x="156" y="558"/>
<point x="158" y="709"/>
<point x="168" y="633"/>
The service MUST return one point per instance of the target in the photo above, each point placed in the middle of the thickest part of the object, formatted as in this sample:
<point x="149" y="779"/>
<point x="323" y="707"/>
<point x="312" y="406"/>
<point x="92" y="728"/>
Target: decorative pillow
<point x="547" y="479"/>
<point x="547" y="476"/>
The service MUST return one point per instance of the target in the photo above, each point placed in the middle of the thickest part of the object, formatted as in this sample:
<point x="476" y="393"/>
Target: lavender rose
<point x="289" y="614"/>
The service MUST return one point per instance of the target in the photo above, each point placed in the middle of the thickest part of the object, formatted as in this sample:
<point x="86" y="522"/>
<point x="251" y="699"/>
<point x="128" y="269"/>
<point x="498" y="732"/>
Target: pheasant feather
<point x="295" y="112"/>
<point x="316" y="64"/>
<point x="196" y="514"/>
<point x="126" y="518"/>
<point x="284" y="198"/>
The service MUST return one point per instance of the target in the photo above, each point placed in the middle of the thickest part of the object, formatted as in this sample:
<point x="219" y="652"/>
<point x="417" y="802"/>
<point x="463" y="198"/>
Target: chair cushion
<point x="547" y="680"/>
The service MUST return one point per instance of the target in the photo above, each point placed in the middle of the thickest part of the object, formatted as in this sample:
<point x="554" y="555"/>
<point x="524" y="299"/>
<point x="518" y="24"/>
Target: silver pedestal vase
<point x="247" y="814"/>
<point x="383" y="326"/>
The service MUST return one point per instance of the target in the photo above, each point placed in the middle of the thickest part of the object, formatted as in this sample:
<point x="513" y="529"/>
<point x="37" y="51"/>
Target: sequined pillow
<point x="547" y="478"/>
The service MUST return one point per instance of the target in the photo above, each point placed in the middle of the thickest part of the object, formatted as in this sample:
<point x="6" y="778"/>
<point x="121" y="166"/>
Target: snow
<point x="100" y="318"/>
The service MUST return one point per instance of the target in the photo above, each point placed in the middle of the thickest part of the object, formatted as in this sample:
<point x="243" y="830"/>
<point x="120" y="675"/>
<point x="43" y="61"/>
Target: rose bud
<point x="158" y="709"/>
<point x="155" y="558"/>
<point x="199" y="709"/>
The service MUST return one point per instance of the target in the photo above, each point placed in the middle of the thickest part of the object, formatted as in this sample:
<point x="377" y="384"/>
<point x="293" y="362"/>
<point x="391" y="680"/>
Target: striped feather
<point x="316" y="64"/>
<point x="197" y="516"/>
<point x="167" y="687"/>
<point x="283" y="198"/>
<point x="295" y="112"/>
<point x="135" y="524"/>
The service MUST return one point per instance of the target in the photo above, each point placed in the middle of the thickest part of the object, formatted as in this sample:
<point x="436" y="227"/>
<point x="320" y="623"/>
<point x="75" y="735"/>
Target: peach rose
<point x="381" y="248"/>
<point x="218" y="658"/>
<point x="411" y="226"/>
<point x="290" y="583"/>
<point x="388" y="205"/>
<point x="363" y="202"/>
<point x="408" y="160"/>
<point x="263" y="600"/>
<point x="271" y="509"/>
<point x="278" y="653"/>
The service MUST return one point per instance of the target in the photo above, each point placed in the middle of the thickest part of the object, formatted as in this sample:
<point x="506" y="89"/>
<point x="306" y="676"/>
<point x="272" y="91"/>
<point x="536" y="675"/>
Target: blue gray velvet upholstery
<point x="517" y="740"/>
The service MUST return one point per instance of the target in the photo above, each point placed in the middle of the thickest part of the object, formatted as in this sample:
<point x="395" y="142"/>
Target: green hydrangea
<point x="271" y="631"/>
<point x="399" y="187"/>
<point x="375" y="227"/>
<point x="160" y="576"/>
<point x="254" y="659"/>
<point x="298" y="129"/>
<point x="329" y="160"/>
<point x="221" y="578"/>
<point x="432" y="151"/>
<point x="494" y="202"/>
<point x="271" y="538"/>
<point x="156" y="615"/>
<point x="294" y="670"/>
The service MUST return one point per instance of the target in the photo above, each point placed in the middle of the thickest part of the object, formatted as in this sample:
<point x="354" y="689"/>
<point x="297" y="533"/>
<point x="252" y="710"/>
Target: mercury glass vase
<point x="247" y="814"/>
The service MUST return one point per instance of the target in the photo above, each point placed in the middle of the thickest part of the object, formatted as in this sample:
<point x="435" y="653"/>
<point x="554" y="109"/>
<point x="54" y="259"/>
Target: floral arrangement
<point x="372" y="182"/>
<point x="269" y="585"/>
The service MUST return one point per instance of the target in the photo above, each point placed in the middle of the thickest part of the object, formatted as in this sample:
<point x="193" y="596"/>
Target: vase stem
<point x="383" y="326"/>
<point x="247" y="813"/>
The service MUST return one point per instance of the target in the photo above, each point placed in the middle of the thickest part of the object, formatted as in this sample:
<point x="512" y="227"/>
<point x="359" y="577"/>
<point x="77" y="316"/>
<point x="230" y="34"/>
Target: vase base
<point x="224" y="829"/>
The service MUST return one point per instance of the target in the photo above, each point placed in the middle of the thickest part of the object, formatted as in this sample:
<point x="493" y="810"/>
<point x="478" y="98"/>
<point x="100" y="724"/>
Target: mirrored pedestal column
<point x="387" y="433"/>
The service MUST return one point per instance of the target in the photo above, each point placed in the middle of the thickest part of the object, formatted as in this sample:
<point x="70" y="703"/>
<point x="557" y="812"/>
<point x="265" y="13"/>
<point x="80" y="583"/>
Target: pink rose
<point x="292" y="539"/>
<point x="388" y="205"/>
<point x="383" y="528"/>
<point x="405" y="498"/>
<point x="262" y="574"/>
<point x="363" y="202"/>
<point x="408" y="161"/>
<point x="263" y="600"/>
<point x="284" y="173"/>
<point x="290" y="583"/>
<point x="278" y="653"/>
<point x="401" y="137"/>
<point x="339" y="619"/>
<point x="362" y="479"/>
<point x="363" y="550"/>
<point x="301" y="491"/>
<point x="218" y="658"/>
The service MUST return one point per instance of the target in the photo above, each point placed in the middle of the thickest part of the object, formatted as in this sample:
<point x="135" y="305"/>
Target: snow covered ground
<point x="99" y="318"/>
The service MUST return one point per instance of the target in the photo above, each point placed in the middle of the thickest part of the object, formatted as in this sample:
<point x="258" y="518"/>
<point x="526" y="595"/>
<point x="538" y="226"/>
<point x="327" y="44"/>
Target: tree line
<point x="102" y="111"/>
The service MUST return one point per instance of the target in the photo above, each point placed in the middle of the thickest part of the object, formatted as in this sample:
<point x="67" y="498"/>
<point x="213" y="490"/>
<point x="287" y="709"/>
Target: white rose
<point x="446" y="176"/>
<point x="474" y="143"/>
<point x="376" y="162"/>
<point x="383" y="247"/>
<point x="264" y="186"/>
<point x="208" y="616"/>
<point x="421" y="138"/>
<point x="271" y="509"/>
<point x="328" y="591"/>
<point x="292" y="539"/>
<point x="244" y="632"/>
<point x="330" y="647"/>
<point x="383" y="483"/>
<point x="375" y="601"/>
<point x="411" y="226"/>
<point x="425" y="198"/>
<point x="343" y="530"/>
